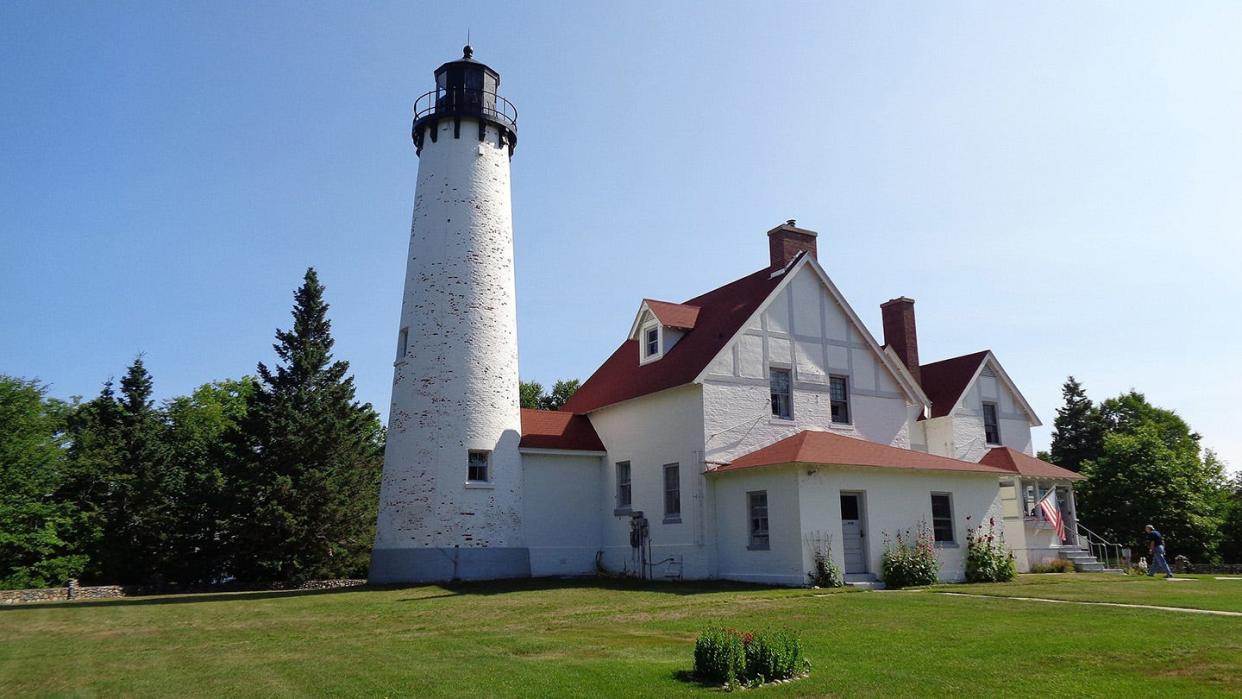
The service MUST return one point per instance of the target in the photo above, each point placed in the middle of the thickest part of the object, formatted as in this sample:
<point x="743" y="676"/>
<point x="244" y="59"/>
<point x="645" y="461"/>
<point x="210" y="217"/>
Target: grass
<point x="1198" y="592"/>
<point x="548" y="638"/>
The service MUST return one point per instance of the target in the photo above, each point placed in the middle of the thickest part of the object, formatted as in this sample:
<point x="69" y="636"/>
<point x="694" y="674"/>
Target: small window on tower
<point x="478" y="466"/>
<point x="403" y="342"/>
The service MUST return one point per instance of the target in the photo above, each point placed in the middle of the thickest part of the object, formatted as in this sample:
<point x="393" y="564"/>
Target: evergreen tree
<point x="305" y="484"/>
<point x="1231" y="528"/>
<point x="1078" y="430"/>
<point x="36" y="530"/>
<point x="94" y="481"/>
<point x="140" y="530"/>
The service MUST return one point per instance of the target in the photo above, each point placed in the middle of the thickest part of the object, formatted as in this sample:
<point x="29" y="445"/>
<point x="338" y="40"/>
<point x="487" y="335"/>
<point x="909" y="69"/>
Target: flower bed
<point x="737" y="659"/>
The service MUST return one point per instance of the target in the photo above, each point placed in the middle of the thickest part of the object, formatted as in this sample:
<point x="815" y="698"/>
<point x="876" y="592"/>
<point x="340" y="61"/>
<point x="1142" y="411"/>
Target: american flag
<point x="1052" y="513"/>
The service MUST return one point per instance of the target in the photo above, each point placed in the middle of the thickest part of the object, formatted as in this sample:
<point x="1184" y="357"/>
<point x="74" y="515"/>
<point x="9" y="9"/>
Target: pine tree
<point x="1078" y="433"/>
<point x="93" y="480"/>
<point x="305" y="485"/>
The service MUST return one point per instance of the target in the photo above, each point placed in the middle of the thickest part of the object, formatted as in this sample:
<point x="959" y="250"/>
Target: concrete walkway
<point x="1184" y="610"/>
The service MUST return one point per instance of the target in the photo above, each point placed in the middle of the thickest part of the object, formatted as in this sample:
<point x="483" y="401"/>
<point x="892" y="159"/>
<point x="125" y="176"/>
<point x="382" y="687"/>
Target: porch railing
<point x="1105" y="551"/>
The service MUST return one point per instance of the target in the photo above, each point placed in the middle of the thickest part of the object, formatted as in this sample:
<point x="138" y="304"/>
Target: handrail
<point x="1095" y="541"/>
<point x="466" y="101"/>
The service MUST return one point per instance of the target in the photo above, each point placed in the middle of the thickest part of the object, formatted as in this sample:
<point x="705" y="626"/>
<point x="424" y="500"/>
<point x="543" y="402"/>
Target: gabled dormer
<point x="659" y="325"/>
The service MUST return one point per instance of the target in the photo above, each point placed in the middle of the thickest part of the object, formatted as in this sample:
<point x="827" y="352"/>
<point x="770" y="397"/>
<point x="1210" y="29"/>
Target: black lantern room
<point x="465" y="88"/>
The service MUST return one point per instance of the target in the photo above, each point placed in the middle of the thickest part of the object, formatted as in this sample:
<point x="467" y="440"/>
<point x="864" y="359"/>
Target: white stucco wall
<point x="561" y="512"/>
<point x="649" y="432"/>
<point x="782" y="562"/>
<point x="456" y="387"/>
<point x="806" y="330"/>
<point x="968" y="439"/>
<point x="894" y="501"/>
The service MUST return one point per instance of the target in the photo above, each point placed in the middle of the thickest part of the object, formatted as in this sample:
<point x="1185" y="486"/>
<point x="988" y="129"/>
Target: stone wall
<point x="72" y="591"/>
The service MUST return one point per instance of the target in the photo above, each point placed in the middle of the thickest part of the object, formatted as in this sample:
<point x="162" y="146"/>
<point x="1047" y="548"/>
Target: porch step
<point x="1083" y="561"/>
<point x="863" y="581"/>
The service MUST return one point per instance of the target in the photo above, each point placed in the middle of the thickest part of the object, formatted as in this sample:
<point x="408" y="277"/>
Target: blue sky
<point x="1058" y="182"/>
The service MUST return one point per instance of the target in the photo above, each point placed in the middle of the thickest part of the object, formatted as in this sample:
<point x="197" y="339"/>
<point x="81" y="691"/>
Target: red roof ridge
<point x="1026" y="465"/>
<point x="831" y="449"/>
<point x="558" y="429"/>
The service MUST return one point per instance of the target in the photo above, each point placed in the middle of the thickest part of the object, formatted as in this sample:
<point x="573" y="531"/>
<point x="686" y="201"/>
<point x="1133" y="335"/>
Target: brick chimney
<point x="900" y="333"/>
<point x="787" y="240"/>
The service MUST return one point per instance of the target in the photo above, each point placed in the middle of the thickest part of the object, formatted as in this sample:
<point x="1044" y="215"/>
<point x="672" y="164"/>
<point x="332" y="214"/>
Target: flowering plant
<point x="736" y="658"/>
<point x="826" y="572"/>
<point x="987" y="557"/>
<point x="910" y="558"/>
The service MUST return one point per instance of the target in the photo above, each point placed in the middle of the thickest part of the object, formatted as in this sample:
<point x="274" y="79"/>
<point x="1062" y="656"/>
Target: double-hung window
<point x="782" y="397"/>
<point x="991" y="426"/>
<point x="942" y="517"/>
<point x="839" y="394"/>
<point x="672" y="493"/>
<point x="757" y="515"/>
<point x="623" y="485"/>
<point x="651" y="341"/>
<point x="477" y="466"/>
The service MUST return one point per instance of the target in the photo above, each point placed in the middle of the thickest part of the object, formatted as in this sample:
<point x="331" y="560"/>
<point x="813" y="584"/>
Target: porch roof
<point x="1025" y="465"/>
<point x="829" y="449"/>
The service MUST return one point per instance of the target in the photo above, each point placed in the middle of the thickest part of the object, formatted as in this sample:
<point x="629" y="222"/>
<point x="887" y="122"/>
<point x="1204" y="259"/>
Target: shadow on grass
<point x="440" y="591"/>
<point x="181" y="598"/>
<point x="503" y="587"/>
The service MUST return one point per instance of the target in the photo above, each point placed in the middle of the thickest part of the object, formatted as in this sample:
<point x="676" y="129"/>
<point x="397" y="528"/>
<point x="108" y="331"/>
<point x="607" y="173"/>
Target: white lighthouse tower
<point x="451" y="497"/>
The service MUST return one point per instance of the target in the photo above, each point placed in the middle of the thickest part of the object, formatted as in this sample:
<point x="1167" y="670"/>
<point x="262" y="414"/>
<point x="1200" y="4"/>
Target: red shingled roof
<point x="826" y="448"/>
<point x="558" y="429"/>
<point x="946" y="380"/>
<point x="673" y="315"/>
<point x="721" y="314"/>
<point x="1025" y="464"/>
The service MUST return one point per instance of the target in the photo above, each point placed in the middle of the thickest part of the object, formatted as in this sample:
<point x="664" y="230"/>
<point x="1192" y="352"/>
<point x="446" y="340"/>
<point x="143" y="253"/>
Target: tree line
<point x="1144" y="465"/>
<point x="273" y="477"/>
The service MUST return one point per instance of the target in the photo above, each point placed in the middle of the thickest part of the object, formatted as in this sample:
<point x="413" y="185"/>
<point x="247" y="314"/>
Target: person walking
<point x="1155" y="547"/>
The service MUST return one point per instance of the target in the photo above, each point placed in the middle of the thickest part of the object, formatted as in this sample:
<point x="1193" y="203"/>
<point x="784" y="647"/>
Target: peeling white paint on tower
<point x="451" y="497"/>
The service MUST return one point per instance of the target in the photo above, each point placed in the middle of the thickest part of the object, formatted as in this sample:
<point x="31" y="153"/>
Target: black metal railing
<point x="464" y="101"/>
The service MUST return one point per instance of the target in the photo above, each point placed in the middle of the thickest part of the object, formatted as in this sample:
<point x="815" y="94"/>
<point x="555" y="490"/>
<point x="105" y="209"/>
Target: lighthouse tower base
<point x="426" y="565"/>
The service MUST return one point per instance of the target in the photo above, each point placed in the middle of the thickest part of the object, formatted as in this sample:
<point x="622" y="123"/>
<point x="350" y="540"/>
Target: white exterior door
<point x="852" y="534"/>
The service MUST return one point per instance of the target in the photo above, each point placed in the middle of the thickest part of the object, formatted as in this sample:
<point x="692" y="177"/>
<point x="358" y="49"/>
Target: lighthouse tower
<point x="451" y="497"/>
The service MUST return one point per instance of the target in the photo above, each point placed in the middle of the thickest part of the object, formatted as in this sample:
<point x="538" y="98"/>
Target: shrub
<point x="734" y="658"/>
<point x="826" y="572"/>
<point x="987" y="558"/>
<point x="1056" y="565"/>
<point x="910" y="558"/>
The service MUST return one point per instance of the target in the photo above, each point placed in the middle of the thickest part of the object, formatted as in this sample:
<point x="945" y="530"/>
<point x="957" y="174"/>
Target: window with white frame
<point x="942" y="518"/>
<point x="782" y="396"/>
<point x="839" y="395"/>
<point x="623" y="485"/>
<point x="757" y="515"/>
<point x="672" y="493"/>
<point x="991" y="425"/>
<point x="651" y="341"/>
<point x="478" y="466"/>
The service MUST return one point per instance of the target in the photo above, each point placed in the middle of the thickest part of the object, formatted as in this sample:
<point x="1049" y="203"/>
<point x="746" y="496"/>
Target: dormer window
<point x="651" y="341"/>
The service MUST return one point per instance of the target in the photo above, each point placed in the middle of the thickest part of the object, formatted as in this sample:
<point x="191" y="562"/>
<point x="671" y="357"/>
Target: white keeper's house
<point x="723" y="436"/>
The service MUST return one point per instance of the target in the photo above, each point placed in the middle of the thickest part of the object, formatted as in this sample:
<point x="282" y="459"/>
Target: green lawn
<point x="1195" y="591"/>
<point x="542" y="638"/>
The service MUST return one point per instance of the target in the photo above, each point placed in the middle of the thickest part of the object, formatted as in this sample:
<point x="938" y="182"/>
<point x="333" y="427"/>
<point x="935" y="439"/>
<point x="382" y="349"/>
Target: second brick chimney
<point x="787" y="240"/>
<point x="900" y="332"/>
